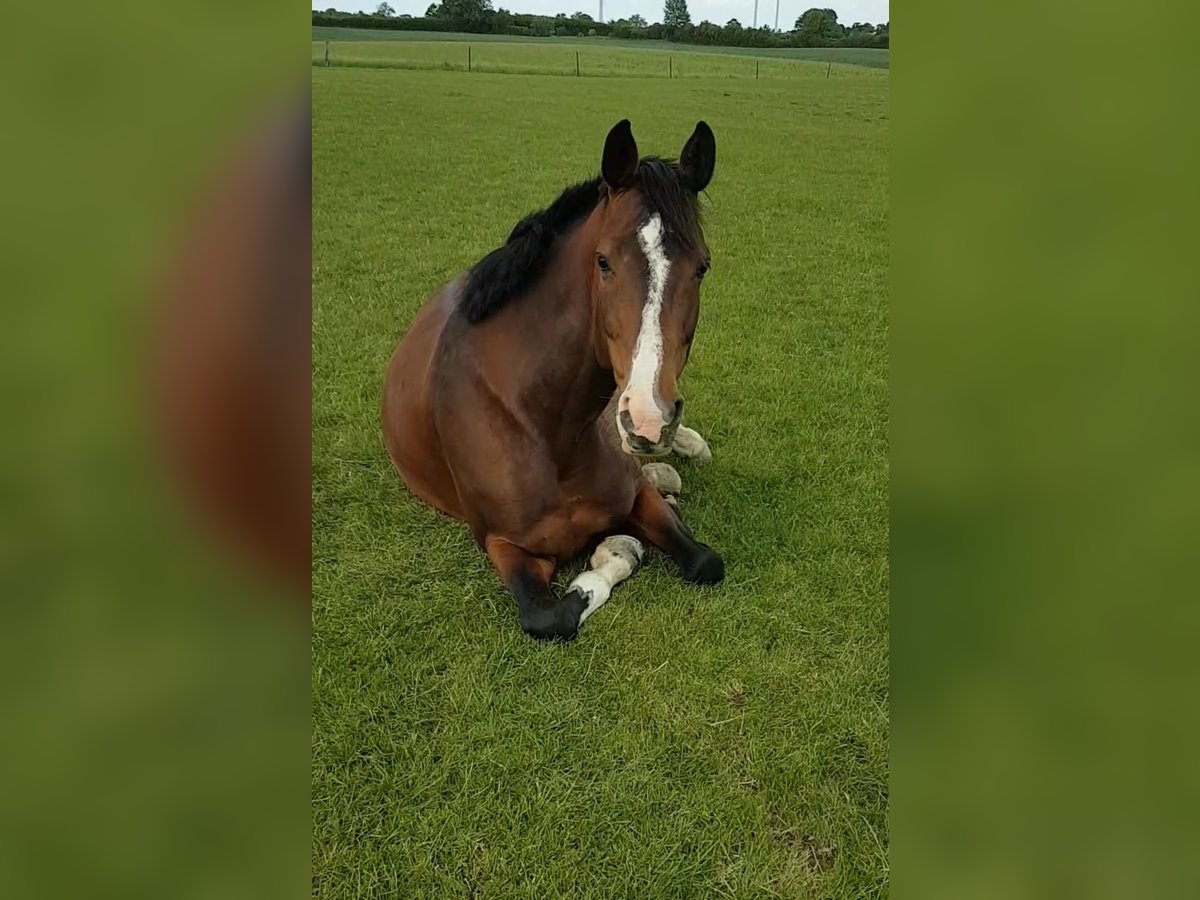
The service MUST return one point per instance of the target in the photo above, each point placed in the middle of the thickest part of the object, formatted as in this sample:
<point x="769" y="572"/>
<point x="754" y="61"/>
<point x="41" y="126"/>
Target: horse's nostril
<point x="627" y="422"/>
<point x="678" y="411"/>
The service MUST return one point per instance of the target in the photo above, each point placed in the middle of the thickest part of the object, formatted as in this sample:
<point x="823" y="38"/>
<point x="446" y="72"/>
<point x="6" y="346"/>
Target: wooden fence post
<point x="756" y="70"/>
<point x="468" y="57"/>
<point x="828" y="70"/>
<point x="576" y="63"/>
<point x="670" y="63"/>
<point x="327" y="53"/>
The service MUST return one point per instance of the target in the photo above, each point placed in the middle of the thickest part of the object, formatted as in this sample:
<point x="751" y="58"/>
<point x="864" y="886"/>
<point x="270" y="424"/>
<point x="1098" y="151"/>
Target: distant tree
<point x="467" y="15"/>
<point x="676" y="15"/>
<point x="818" y="28"/>
<point x="860" y="34"/>
<point x="707" y="33"/>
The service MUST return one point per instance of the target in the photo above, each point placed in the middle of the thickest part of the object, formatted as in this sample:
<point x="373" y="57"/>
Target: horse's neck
<point x="561" y="331"/>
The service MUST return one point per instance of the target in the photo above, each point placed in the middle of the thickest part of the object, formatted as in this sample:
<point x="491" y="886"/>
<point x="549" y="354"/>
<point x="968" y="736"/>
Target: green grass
<point x="857" y="56"/>
<point x="560" y="59"/>
<point x="690" y="743"/>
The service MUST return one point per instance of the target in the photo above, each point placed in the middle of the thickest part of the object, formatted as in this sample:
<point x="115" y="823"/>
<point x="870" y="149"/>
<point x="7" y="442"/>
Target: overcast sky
<point x="719" y="11"/>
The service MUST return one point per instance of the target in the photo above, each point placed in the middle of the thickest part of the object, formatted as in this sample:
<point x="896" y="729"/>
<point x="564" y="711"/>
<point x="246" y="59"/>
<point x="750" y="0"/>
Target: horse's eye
<point x="702" y="271"/>
<point x="602" y="263"/>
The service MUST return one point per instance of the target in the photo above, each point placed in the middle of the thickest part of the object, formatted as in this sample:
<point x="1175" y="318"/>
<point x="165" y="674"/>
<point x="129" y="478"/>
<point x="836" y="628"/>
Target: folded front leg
<point x="542" y="615"/>
<point x="654" y="521"/>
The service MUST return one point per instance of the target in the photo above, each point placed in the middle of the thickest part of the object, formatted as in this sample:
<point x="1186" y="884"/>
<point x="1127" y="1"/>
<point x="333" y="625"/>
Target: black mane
<point x="514" y="268"/>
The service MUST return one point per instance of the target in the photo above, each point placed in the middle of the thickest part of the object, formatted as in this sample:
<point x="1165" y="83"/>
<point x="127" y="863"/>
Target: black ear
<point x="698" y="158"/>
<point x="619" y="167"/>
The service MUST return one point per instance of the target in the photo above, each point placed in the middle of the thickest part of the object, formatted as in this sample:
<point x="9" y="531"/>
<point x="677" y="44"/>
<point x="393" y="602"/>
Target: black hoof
<point x="556" y="622"/>
<point x="705" y="568"/>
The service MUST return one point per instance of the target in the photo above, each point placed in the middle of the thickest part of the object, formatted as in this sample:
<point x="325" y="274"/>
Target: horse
<point x="494" y="402"/>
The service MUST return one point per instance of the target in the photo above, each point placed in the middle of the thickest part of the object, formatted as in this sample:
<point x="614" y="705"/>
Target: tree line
<point x="814" y="28"/>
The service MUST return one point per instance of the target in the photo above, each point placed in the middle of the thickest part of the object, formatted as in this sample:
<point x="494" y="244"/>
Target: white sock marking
<point x="647" y="352"/>
<point x="613" y="562"/>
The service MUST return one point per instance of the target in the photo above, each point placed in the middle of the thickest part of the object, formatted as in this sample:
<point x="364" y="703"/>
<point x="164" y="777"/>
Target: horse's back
<point x="407" y="410"/>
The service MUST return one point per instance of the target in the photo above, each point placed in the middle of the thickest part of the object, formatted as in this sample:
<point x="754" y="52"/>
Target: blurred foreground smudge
<point x="234" y="368"/>
<point x="154" y="501"/>
<point x="1045" y="472"/>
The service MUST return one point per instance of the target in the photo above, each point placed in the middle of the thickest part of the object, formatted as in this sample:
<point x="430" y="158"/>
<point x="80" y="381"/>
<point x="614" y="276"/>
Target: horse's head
<point x="650" y="258"/>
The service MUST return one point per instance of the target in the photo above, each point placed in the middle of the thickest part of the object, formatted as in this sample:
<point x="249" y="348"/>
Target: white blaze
<point x="647" y="352"/>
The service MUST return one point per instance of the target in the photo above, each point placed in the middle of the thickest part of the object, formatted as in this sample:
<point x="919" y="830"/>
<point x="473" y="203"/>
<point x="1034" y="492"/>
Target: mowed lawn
<point x="594" y="59"/>
<point x="690" y="743"/>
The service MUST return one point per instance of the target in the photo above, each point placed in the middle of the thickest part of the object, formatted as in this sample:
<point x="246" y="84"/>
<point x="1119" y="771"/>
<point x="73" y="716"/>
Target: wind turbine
<point x="755" y="25"/>
<point x="776" y="13"/>
<point x="601" y="10"/>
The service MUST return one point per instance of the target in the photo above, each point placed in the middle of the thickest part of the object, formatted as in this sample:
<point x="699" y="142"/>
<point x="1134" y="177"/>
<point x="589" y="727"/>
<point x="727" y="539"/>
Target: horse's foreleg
<point x="613" y="562"/>
<point x="542" y="615"/>
<point x="654" y="521"/>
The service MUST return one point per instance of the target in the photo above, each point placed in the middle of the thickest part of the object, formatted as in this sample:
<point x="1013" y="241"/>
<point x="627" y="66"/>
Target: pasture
<point x="553" y="58"/>
<point x="858" y="56"/>
<point x="722" y="742"/>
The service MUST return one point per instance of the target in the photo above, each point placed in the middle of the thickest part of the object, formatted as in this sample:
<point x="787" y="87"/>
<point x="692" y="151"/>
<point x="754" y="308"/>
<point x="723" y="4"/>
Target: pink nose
<point x="643" y="420"/>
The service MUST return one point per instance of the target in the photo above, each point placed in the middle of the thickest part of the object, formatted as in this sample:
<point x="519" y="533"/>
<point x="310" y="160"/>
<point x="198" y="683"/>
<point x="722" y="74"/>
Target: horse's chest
<point x="585" y="509"/>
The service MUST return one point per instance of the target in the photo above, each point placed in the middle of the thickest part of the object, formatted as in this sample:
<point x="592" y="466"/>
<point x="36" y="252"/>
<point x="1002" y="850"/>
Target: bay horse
<point x="494" y="401"/>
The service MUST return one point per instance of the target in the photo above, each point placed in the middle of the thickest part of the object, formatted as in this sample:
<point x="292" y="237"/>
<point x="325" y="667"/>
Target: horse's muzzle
<point x="633" y="442"/>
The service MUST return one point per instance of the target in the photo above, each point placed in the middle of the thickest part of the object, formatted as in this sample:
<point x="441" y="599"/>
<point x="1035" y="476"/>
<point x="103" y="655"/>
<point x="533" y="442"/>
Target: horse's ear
<point x="619" y="167"/>
<point x="698" y="158"/>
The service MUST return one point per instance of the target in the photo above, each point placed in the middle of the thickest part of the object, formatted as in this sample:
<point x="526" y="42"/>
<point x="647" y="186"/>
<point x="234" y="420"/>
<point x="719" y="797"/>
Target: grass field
<point x="858" y="56"/>
<point x="535" y="58"/>
<point x="725" y="742"/>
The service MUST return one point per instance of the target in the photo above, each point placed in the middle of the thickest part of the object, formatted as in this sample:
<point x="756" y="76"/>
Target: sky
<point x="719" y="11"/>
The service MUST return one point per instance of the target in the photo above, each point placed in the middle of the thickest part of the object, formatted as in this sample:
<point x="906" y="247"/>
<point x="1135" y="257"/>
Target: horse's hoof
<point x="705" y="568"/>
<point x="690" y="445"/>
<point x="664" y="478"/>
<point x="558" y="622"/>
<point x="548" y="627"/>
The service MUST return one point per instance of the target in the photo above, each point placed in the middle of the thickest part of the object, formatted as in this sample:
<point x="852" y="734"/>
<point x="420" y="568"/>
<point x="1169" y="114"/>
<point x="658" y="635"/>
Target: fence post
<point x="670" y="63"/>
<point x="576" y="63"/>
<point x="327" y="53"/>
<point x="468" y="57"/>
<point x="828" y="70"/>
<point x="756" y="70"/>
